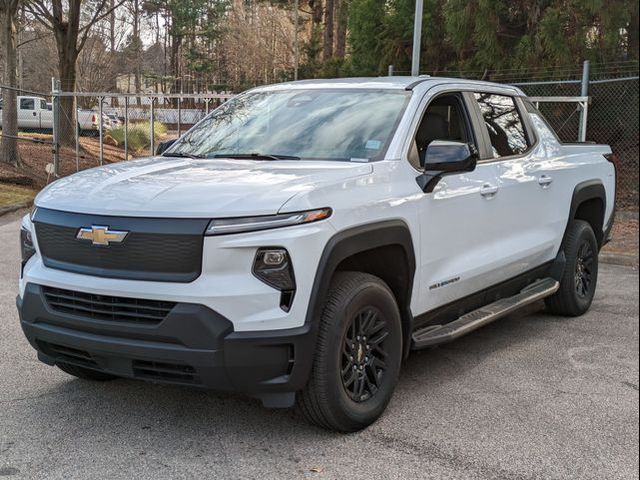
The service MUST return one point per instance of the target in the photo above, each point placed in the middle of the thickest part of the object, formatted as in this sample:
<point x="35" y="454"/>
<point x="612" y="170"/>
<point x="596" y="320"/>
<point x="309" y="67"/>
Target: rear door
<point x="523" y="231"/>
<point x="27" y="113"/>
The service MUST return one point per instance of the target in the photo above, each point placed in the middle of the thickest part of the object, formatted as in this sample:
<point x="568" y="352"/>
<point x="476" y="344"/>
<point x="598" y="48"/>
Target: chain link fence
<point x="612" y="119"/>
<point x="60" y="133"/>
<point x="75" y="131"/>
<point x="30" y="139"/>
<point x="112" y="127"/>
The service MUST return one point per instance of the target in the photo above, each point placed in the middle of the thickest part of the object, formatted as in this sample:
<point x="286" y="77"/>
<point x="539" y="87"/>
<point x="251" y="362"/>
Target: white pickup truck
<point x="36" y="115"/>
<point x="302" y="239"/>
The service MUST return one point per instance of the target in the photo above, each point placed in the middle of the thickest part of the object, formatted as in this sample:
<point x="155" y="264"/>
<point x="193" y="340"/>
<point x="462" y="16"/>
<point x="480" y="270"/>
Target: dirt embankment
<point x="36" y="152"/>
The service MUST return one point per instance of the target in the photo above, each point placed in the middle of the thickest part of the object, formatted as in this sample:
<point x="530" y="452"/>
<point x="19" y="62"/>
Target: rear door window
<point x="504" y="124"/>
<point x="27" y="104"/>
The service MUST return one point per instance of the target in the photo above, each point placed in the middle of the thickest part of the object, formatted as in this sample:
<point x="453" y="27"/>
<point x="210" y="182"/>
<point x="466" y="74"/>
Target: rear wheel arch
<point x="371" y="248"/>
<point x="589" y="203"/>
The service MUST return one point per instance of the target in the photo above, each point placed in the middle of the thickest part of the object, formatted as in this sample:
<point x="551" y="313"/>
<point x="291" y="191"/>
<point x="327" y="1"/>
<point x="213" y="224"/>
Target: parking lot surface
<point x="530" y="396"/>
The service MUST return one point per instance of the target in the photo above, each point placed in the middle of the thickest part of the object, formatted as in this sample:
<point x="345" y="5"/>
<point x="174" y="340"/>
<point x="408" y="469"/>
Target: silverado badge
<point x="99" y="235"/>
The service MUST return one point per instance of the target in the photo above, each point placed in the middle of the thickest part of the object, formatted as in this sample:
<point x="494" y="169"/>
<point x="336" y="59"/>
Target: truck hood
<point x="170" y="187"/>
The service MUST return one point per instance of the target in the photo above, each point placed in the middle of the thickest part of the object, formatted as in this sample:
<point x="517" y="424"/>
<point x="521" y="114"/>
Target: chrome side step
<point x="436" y="334"/>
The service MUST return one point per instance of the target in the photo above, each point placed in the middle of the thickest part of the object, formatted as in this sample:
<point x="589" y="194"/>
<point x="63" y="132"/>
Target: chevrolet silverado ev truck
<point x="297" y="243"/>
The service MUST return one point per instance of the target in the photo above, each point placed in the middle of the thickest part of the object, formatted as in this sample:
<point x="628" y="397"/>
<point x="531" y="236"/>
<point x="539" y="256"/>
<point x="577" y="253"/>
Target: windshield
<point x="331" y="124"/>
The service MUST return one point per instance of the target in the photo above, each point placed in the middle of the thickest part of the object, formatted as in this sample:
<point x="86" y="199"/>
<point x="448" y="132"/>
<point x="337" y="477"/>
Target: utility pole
<point x="417" y="36"/>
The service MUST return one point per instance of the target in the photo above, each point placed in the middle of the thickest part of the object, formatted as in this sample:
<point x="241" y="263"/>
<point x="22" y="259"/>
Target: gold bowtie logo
<point x="99" y="235"/>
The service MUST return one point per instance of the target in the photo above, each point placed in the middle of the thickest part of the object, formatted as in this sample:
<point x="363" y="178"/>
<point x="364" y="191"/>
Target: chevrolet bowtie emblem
<point x="99" y="235"/>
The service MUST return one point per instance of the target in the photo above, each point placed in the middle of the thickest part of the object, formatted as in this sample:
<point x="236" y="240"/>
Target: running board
<point x="437" y="334"/>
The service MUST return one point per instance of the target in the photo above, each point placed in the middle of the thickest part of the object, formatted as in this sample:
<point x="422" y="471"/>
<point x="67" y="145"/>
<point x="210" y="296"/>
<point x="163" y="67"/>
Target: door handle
<point x="488" y="191"/>
<point x="545" y="181"/>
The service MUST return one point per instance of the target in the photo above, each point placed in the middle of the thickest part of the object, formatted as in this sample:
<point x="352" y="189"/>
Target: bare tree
<point x="71" y="34"/>
<point x="9" y="16"/>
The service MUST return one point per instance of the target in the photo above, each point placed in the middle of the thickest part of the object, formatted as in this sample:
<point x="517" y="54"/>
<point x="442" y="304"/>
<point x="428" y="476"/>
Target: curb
<point x="624" y="259"/>
<point x="14" y="207"/>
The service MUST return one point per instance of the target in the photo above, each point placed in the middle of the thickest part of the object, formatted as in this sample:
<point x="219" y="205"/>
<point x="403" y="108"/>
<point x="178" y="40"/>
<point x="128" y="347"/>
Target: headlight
<point x="222" y="226"/>
<point x="273" y="267"/>
<point x="27" y="249"/>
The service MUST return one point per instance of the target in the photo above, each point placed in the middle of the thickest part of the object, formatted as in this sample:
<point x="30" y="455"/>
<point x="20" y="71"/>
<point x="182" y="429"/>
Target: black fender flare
<point x="355" y="240"/>
<point x="584" y="191"/>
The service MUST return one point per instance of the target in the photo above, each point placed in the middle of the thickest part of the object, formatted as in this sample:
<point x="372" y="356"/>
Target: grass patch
<point x="12" y="194"/>
<point x="139" y="137"/>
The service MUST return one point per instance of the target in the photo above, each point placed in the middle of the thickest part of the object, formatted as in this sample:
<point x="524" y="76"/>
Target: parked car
<point x="304" y="238"/>
<point x="114" y="120"/>
<point x="35" y="114"/>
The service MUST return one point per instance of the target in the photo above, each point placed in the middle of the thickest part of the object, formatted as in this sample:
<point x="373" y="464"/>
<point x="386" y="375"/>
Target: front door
<point x="458" y="219"/>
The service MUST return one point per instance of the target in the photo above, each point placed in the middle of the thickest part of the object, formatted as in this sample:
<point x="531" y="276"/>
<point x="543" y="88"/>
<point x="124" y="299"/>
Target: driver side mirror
<point x="444" y="157"/>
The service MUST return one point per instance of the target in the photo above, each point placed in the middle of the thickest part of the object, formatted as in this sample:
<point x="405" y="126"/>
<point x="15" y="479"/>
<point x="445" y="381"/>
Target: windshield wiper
<point x="255" y="156"/>
<point x="182" y="155"/>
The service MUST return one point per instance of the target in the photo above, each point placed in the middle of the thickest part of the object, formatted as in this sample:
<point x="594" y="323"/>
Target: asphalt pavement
<point x="530" y="396"/>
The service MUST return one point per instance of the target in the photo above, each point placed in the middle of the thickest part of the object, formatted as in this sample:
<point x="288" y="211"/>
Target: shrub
<point x="139" y="137"/>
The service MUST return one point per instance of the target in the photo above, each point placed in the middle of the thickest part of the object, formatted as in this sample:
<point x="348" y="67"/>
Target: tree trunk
<point x="315" y="35"/>
<point x="633" y="39"/>
<point x="10" y="154"/>
<point x="112" y="26"/>
<point x="67" y="116"/>
<point x="176" y="47"/>
<point x="327" y="50"/>
<point x="341" y="29"/>
<point x="137" y="59"/>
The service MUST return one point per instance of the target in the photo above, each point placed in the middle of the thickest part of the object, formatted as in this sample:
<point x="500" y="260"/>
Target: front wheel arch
<point x="352" y="249"/>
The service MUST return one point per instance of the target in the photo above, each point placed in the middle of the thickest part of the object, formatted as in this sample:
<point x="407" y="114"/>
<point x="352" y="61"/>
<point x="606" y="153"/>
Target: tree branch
<point x="84" y="31"/>
<point x="38" y="9"/>
<point x="34" y="39"/>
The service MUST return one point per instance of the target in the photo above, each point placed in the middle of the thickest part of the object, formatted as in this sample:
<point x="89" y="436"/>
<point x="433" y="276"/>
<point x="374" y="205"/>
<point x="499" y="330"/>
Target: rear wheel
<point x="85" y="373"/>
<point x="580" y="277"/>
<point x="358" y="355"/>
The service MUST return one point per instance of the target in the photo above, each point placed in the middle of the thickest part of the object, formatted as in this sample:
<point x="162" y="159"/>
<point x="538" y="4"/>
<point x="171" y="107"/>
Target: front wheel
<point x="578" y="284"/>
<point x="358" y="355"/>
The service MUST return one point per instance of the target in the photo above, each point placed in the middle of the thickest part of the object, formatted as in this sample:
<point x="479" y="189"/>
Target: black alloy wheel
<point x="364" y="354"/>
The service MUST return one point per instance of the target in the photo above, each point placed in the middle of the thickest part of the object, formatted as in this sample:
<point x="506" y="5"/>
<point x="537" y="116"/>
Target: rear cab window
<point x="504" y="124"/>
<point x="532" y="109"/>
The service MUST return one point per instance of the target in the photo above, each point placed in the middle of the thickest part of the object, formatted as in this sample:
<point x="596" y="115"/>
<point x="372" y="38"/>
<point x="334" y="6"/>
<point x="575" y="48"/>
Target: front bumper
<point x="193" y="345"/>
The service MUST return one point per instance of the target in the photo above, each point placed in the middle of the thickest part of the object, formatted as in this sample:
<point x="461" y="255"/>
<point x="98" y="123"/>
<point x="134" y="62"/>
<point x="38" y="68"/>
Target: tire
<point x="350" y="386"/>
<point x="85" y="373"/>
<point x="580" y="277"/>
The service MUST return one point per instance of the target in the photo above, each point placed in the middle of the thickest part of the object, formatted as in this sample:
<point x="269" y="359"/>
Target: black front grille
<point x="107" y="308"/>
<point x="154" y="249"/>
<point x="165" y="372"/>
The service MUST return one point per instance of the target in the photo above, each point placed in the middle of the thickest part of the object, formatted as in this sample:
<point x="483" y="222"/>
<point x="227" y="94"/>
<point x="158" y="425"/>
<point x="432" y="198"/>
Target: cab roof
<point x="390" y="83"/>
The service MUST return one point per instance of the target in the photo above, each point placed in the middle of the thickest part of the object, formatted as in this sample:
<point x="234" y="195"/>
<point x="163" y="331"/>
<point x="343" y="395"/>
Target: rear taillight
<point x="93" y="118"/>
